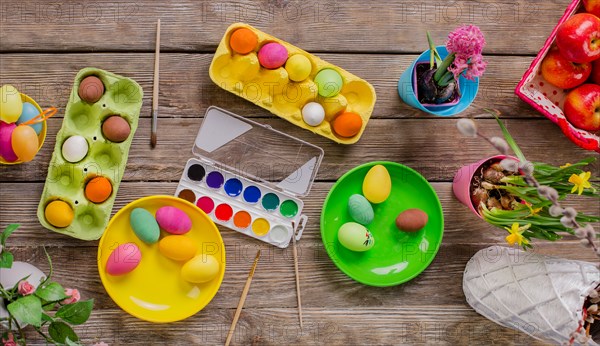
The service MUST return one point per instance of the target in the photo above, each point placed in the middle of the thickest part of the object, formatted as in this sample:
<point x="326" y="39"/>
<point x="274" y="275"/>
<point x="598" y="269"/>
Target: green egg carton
<point x="66" y="181"/>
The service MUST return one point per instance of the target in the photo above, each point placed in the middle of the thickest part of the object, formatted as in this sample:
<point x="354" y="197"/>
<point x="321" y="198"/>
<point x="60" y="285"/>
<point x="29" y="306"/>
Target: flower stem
<point x="49" y="340"/>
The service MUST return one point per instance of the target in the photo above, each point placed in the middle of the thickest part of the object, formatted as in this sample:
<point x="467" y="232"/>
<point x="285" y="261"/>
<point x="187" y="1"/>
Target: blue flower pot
<point x="406" y="88"/>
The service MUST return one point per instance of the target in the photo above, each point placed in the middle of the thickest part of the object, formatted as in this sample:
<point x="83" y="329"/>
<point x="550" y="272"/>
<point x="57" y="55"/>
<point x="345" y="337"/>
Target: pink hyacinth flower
<point x="476" y="67"/>
<point x="466" y="40"/>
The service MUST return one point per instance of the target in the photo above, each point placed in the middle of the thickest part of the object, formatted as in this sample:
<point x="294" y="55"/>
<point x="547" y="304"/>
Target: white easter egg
<point x="313" y="113"/>
<point x="74" y="149"/>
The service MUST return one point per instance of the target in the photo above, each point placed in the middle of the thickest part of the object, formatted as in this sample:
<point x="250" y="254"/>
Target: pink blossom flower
<point x="25" y="288"/>
<point x="459" y="64"/>
<point x="472" y="67"/>
<point x="466" y="40"/>
<point x="73" y="294"/>
<point x="476" y="67"/>
<point x="10" y="341"/>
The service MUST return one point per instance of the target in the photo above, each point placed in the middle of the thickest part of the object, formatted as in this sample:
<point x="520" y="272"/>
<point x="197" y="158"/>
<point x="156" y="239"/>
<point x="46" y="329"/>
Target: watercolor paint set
<point x="249" y="177"/>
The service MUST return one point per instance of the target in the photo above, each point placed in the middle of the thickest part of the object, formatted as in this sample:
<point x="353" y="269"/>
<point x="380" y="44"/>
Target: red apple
<point x="592" y="6"/>
<point x="582" y="107"/>
<point x="578" y="39"/>
<point x="562" y="73"/>
<point x="595" y="76"/>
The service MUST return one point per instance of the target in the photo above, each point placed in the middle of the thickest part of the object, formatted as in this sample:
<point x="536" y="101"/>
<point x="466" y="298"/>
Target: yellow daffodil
<point x="580" y="181"/>
<point x="532" y="211"/>
<point x="565" y="165"/>
<point x="516" y="234"/>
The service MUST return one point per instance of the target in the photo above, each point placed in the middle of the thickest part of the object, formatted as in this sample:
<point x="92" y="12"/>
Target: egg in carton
<point x="293" y="84"/>
<point x="90" y="154"/>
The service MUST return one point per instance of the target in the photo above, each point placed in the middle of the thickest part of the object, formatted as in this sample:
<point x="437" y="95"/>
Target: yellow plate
<point x="41" y="136"/>
<point x="155" y="291"/>
<point x="273" y="91"/>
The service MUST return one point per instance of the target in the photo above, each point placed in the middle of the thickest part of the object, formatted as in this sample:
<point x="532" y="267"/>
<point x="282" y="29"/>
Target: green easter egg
<point x="329" y="82"/>
<point x="355" y="237"/>
<point x="144" y="225"/>
<point x="360" y="209"/>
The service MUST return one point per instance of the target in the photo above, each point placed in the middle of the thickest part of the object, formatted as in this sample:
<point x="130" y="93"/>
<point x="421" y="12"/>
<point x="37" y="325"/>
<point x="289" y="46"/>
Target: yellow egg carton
<point x="272" y="89"/>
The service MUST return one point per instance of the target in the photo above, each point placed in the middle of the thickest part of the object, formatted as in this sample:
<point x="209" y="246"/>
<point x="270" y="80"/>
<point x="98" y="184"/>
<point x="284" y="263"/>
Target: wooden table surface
<point x="43" y="45"/>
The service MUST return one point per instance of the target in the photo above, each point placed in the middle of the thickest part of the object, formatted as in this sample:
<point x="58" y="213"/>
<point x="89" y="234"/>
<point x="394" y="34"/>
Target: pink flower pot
<point x="461" y="186"/>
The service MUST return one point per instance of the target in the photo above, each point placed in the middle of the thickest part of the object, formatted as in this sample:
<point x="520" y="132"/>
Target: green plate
<point x="396" y="257"/>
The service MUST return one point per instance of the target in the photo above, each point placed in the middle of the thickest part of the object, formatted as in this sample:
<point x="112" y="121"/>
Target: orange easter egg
<point x="25" y="142"/>
<point x="347" y="124"/>
<point x="243" y="41"/>
<point x="98" y="189"/>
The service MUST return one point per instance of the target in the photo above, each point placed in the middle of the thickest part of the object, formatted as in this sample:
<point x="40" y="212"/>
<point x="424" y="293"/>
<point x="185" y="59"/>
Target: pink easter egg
<point x="173" y="220"/>
<point x="6" y="149"/>
<point x="124" y="259"/>
<point x="272" y="55"/>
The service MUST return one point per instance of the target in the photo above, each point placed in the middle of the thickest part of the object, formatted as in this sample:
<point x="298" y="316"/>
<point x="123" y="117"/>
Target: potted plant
<point x="28" y="297"/>
<point x="444" y="80"/>
<point x="522" y="197"/>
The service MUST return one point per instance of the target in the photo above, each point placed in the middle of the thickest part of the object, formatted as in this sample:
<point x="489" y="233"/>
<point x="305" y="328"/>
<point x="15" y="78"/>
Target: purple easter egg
<point x="272" y="55"/>
<point x="173" y="220"/>
<point x="6" y="149"/>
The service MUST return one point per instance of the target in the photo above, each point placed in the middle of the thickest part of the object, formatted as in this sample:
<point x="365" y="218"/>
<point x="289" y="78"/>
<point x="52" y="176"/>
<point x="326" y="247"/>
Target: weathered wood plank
<point x="75" y="266"/>
<point x="186" y="89"/>
<point x="431" y="146"/>
<point x="333" y="25"/>
<point x="18" y="204"/>
<point x="422" y="325"/>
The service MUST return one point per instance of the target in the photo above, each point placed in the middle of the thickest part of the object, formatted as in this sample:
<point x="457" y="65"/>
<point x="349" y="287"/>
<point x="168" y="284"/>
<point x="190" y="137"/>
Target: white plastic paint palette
<point x="249" y="177"/>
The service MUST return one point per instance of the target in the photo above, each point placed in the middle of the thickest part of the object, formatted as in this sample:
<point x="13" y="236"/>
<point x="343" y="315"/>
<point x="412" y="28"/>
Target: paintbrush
<point x="238" y="311"/>
<point x="295" y="251"/>
<point x="155" y="87"/>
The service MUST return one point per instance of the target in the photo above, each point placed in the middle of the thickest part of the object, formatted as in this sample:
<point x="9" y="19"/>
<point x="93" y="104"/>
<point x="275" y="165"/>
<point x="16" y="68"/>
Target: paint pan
<point x="250" y="177"/>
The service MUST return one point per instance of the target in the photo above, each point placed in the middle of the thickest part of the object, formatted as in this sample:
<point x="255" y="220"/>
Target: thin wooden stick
<point x="242" y="300"/>
<point x="155" y="87"/>
<point x="297" y="276"/>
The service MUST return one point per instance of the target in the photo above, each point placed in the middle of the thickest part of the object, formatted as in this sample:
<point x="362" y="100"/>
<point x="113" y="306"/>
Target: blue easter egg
<point x="29" y="112"/>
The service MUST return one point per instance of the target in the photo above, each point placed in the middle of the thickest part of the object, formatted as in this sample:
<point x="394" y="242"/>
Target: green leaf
<point x="6" y="259"/>
<point x="434" y="56"/>
<point x="47" y="318"/>
<point x="27" y="309"/>
<point x="443" y="69"/>
<point x="7" y="232"/>
<point x="60" y="332"/>
<point x="49" y="306"/>
<point x="52" y="292"/>
<point x="76" y="313"/>
<point x="511" y="142"/>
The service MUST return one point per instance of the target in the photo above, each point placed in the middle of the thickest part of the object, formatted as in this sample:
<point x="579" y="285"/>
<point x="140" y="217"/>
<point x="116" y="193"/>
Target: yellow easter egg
<point x="25" y="142"/>
<point x="59" y="214"/>
<point x="377" y="184"/>
<point x="298" y="67"/>
<point x="11" y="104"/>
<point x="177" y="247"/>
<point x="200" y="269"/>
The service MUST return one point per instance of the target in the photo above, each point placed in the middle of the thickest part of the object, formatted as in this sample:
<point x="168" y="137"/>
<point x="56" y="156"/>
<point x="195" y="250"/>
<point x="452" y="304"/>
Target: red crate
<point x="549" y="100"/>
